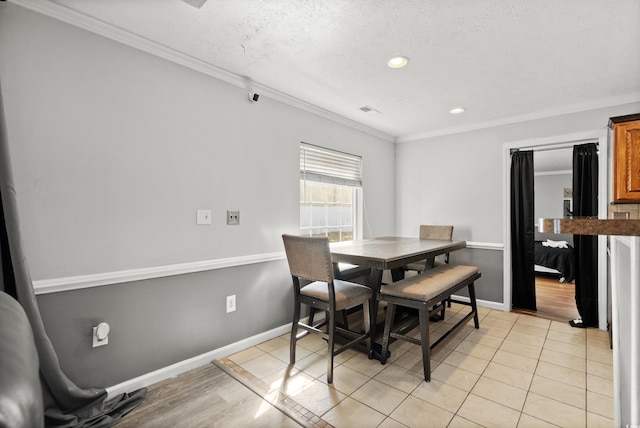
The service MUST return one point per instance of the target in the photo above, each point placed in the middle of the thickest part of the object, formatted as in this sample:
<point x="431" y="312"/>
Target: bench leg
<point x="426" y="347"/>
<point x="391" y="312"/>
<point x="474" y="306"/>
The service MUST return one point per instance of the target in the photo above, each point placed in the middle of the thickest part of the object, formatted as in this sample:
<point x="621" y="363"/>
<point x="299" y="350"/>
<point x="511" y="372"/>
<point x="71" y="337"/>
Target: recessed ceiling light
<point x="456" y="110"/>
<point x="370" y="110"/>
<point x="398" y="61"/>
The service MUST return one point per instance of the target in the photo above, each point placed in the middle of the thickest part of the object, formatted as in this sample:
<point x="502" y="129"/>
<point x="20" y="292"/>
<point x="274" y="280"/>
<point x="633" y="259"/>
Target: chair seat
<point x="430" y="283"/>
<point x="347" y="293"/>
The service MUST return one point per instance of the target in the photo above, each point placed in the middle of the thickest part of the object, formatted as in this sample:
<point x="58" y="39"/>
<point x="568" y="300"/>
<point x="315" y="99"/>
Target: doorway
<point x="558" y="142"/>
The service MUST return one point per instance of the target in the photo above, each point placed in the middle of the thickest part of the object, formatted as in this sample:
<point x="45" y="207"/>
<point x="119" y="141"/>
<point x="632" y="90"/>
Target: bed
<point x="556" y="260"/>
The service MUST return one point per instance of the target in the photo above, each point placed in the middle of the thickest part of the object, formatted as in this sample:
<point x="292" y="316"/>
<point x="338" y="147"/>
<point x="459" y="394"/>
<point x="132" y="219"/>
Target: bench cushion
<point x="429" y="284"/>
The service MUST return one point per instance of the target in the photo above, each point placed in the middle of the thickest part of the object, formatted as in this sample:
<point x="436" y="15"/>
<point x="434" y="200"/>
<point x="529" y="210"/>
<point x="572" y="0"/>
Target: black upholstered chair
<point x="314" y="285"/>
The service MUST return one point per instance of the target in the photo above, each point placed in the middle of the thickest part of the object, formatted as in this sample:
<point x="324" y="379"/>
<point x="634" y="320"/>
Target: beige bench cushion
<point x="348" y="294"/>
<point x="430" y="283"/>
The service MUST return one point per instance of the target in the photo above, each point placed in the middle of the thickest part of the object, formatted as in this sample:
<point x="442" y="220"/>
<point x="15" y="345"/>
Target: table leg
<point x="375" y="282"/>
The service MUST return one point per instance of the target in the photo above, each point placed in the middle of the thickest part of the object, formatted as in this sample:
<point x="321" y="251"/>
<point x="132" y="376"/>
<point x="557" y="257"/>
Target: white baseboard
<point x="198" y="361"/>
<point x="483" y="303"/>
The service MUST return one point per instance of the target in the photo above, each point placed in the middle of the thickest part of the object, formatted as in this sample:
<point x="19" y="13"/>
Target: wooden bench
<point x="427" y="292"/>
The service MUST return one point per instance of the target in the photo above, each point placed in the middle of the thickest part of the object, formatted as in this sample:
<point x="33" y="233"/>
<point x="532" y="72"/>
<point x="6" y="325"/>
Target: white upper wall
<point x="458" y="179"/>
<point x="114" y="150"/>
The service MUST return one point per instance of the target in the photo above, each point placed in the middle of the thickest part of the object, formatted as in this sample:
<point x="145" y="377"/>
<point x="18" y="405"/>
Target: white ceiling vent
<point x="370" y="110"/>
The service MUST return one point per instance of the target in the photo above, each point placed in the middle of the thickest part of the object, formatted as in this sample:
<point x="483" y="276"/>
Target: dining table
<point x="389" y="252"/>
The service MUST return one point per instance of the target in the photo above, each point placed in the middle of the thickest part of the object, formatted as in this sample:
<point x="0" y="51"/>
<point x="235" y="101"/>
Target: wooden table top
<point x="388" y="252"/>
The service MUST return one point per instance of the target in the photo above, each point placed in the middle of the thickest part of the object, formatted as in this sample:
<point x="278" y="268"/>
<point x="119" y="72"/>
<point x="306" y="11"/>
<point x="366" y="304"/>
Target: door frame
<point x="599" y="135"/>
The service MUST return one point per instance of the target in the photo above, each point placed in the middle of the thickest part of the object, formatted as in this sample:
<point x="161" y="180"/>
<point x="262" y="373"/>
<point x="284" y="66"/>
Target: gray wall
<point x="113" y="152"/>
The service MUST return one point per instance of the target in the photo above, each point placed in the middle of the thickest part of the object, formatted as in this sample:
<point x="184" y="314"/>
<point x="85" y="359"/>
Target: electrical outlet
<point x="231" y="303"/>
<point x="101" y="334"/>
<point x="233" y="217"/>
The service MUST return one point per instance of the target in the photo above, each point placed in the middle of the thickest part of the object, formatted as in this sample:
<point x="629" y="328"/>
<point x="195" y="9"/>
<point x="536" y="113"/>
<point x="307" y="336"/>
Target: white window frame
<point x="319" y="164"/>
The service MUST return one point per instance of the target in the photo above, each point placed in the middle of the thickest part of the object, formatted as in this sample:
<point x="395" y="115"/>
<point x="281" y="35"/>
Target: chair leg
<point x="367" y="309"/>
<point x="294" y="332"/>
<point x="331" y="330"/>
<point x="312" y="313"/>
<point x="474" y="306"/>
<point x="391" y="312"/>
<point x="426" y="346"/>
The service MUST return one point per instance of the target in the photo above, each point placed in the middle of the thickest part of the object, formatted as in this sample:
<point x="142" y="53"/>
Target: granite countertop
<point x="589" y="226"/>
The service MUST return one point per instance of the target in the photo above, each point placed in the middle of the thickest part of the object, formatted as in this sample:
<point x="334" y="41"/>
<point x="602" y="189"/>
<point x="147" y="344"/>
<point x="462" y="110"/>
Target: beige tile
<point x="600" y="404"/>
<point x="379" y="396"/>
<point x="515" y="361"/>
<point x="598" y="421"/>
<point x="282" y="353"/>
<point x="495" y="322"/>
<point x="598" y="335"/>
<point x="351" y="413"/>
<point x="565" y="348"/>
<point x="498" y="332"/>
<point x="467" y="362"/>
<point x="460" y="422"/>
<point x="599" y="344"/>
<point x="440" y="394"/>
<point x="391" y="423"/>
<point x="263" y="366"/>
<point x="361" y="363"/>
<point x="600" y="369"/>
<point x="531" y="351"/>
<point x="534" y="321"/>
<point x="314" y="365"/>
<point x="564" y="360"/>
<point x="246" y="355"/>
<point x="288" y="381"/>
<point x="566" y="328"/>
<point x="483" y="338"/>
<point x="561" y="374"/>
<point x="454" y="376"/>
<point x="574" y="339"/>
<point x="487" y="413"/>
<point x="414" y="412"/>
<point x="476" y="350"/>
<point x="508" y="375"/>
<point x="553" y="411"/>
<point x="342" y="357"/>
<point x="411" y="361"/>
<point x="504" y="315"/>
<point x="312" y="342"/>
<point x="525" y="338"/>
<point x="399" y="378"/>
<point x="346" y="380"/>
<point x="527" y="421"/>
<point x="530" y="330"/>
<point x="273" y="344"/>
<point x="499" y="392"/>
<point x="559" y="391"/>
<point x="600" y="355"/>
<point x="318" y="397"/>
<point x="600" y="385"/>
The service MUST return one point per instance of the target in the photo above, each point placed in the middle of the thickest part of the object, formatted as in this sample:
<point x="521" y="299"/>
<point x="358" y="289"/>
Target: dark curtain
<point x="66" y="405"/>
<point x="585" y="204"/>
<point x="522" y="231"/>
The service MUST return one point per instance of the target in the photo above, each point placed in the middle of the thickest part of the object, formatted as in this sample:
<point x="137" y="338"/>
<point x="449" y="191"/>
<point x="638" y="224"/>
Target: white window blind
<point x="329" y="166"/>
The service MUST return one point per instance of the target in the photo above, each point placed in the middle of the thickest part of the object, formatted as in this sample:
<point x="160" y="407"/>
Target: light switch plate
<point x="203" y="217"/>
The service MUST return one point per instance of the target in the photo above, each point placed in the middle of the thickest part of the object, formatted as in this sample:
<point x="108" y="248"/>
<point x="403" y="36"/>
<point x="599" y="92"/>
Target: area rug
<point x="277" y="399"/>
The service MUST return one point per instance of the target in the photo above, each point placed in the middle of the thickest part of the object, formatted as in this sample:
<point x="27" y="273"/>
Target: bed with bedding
<point x="555" y="257"/>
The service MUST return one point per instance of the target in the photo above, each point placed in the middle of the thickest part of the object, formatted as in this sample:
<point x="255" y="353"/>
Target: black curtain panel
<point x="65" y="404"/>
<point x="585" y="204"/>
<point x="522" y="231"/>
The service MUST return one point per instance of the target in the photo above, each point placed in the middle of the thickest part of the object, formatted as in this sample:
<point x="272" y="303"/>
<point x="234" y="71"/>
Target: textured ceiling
<point x="502" y="60"/>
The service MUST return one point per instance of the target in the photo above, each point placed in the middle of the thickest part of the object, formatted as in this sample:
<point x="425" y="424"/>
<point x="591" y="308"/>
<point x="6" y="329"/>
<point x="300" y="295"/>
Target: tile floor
<point x="515" y="371"/>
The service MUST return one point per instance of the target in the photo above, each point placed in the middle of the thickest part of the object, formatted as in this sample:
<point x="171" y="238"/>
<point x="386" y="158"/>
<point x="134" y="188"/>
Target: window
<point x="330" y="194"/>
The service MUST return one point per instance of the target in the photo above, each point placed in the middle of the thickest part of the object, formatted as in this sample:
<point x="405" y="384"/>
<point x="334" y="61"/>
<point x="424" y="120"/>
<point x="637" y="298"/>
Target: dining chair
<point x="437" y="232"/>
<point x="315" y="285"/>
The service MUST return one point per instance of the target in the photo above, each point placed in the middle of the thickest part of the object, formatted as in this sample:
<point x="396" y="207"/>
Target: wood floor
<point x="204" y="397"/>
<point x="554" y="299"/>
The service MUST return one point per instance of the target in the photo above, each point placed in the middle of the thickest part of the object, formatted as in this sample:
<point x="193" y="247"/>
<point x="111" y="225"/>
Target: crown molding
<point x="543" y="114"/>
<point x="96" y="26"/>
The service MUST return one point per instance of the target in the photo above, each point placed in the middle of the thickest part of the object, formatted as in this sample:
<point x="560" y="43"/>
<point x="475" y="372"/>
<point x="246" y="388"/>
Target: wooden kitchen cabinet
<point x="626" y="158"/>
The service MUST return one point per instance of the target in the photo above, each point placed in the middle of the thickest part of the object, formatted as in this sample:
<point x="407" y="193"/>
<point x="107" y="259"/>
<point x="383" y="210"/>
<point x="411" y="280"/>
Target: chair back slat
<point x="309" y="257"/>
